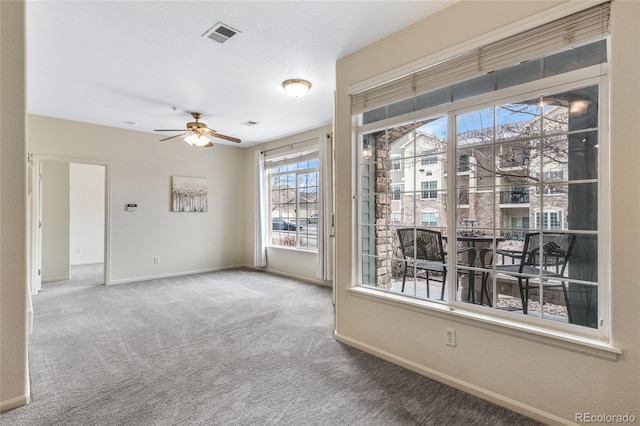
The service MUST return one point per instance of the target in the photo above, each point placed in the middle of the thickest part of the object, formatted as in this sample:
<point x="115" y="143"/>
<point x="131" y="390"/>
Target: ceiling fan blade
<point x="213" y="133"/>
<point x="197" y="128"/>
<point x="225" y="137"/>
<point x="176" y="136"/>
<point x="206" y="131"/>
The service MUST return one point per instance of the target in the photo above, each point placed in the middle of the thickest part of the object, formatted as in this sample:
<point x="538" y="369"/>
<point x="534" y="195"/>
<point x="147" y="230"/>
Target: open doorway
<point x="71" y="222"/>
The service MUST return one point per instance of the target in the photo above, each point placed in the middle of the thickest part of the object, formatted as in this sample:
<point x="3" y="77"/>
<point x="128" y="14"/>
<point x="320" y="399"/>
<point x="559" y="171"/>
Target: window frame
<point x="396" y="162"/>
<point x="269" y="174"/>
<point x="428" y="159"/>
<point x="546" y="218"/>
<point x="432" y="193"/>
<point x="396" y="190"/>
<point x="592" y="75"/>
<point x="396" y="216"/>
<point x="429" y="223"/>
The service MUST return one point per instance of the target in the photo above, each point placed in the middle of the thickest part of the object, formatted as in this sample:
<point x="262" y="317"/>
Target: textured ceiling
<point x="128" y="64"/>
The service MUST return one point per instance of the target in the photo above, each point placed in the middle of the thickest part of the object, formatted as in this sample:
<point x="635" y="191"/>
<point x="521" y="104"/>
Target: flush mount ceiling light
<point x="296" y="87"/>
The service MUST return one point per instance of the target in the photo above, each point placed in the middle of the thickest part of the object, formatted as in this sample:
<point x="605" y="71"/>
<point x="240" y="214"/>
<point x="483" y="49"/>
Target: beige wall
<point x="292" y="263"/>
<point x="86" y="213"/>
<point x="540" y="377"/>
<point x="55" y="220"/>
<point x="140" y="169"/>
<point x="14" y="384"/>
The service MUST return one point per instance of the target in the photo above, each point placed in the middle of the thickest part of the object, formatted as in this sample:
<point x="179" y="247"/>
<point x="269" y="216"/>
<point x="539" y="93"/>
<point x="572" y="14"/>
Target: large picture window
<point x="506" y="218"/>
<point x="294" y="208"/>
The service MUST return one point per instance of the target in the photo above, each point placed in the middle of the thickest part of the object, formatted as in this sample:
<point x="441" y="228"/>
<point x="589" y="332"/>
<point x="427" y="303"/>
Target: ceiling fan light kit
<point x="296" y="87"/>
<point x="196" y="139"/>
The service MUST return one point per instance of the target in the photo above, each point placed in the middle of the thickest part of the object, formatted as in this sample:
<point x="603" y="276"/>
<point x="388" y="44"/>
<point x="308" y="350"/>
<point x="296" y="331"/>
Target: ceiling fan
<point x="198" y="134"/>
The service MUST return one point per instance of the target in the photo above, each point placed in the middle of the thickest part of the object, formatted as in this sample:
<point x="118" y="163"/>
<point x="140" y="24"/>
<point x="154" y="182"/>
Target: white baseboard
<point x="172" y="274"/>
<point x="48" y="280"/>
<point x="12" y="403"/>
<point x="294" y="276"/>
<point x="87" y="262"/>
<point x="511" y="404"/>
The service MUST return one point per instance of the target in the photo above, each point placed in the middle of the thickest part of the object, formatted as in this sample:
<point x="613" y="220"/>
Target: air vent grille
<point x="220" y="33"/>
<point x="249" y="123"/>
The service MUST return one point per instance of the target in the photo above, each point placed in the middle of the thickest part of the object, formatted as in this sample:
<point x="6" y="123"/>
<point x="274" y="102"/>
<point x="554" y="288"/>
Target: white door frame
<point x="36" y="216"/>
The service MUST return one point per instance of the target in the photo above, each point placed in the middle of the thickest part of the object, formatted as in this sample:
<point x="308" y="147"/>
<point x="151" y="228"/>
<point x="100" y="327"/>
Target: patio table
<point x="476" y="241"/>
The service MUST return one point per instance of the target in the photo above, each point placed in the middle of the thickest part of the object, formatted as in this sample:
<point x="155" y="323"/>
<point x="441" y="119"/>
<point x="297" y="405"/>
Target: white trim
<point x="86" y="262"/>
<point x="595" y="75"/>
<point x="295" y="249"/>
<point x="174" y="274"/>
<point x="454" y="382"/>
<point x="327" y="284"/>
<point x="604" y="206"/>
<point x="36" y="243"/>
<point x="541" y="18"/>
<point x="63" y="278"/>
<point x="12" y="403"/>
<point x="268" y="175"/>
<point x="260" y="206"/>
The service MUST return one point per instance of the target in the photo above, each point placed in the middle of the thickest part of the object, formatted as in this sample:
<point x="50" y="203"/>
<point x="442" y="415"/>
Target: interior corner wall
<point x="292" y="263"/>
<point x="532" y="376"/>
<point x="14" y="383"/>
<point x="139" y="172"/>
<point x="55" y="221"/>
<point x="86" y="213"/>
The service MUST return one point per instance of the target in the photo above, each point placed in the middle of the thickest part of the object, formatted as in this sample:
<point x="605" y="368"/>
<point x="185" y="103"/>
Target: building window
<point x="395" y="217"/>
<point x="294" y="211"/>
<point x="463" y="163"/>
<point x="427" y="187"/>
<point x="550" y="220"/>
<point x="395" y="191"/>
<point x="518" y="223"/>
<point x="429" y="218"/>
<point x="396" y="163"/>
<point x="428" y="160"/>
<point x="551" y="188"/>
<point x="514" y="155"/>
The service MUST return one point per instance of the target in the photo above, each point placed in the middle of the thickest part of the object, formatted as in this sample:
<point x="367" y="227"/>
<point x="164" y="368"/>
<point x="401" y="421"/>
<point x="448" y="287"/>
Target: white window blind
<point x="291" y="159"/>
<point x="562" y="34"/>
<point x="291" y="153"/>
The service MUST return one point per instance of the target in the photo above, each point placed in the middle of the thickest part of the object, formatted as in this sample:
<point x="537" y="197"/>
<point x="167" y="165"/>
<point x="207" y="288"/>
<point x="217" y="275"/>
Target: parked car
<point x="313" y="218"/>
<point x="280" y="224"/>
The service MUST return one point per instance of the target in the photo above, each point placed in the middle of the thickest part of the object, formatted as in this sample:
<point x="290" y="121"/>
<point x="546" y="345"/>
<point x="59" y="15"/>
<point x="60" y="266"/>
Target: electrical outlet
<point x="77" y="251"/>
<point x="450" y="336"/>
<point x="156" y="260"/>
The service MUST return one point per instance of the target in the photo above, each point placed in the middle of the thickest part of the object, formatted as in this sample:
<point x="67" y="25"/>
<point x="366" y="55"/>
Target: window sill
<point x="579" y="344"/>
<point x="294" y="249"/>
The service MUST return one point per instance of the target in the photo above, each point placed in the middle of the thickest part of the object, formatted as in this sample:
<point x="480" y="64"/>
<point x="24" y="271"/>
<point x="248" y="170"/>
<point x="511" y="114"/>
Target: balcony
<point x="514" y="197"/>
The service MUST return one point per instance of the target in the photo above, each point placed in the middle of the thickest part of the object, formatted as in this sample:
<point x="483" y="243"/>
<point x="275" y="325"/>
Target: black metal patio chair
<point x="422" y="249"/>
<point x="535" y="261"/>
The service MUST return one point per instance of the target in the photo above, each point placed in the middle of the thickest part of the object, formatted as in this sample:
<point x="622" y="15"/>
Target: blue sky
<point x="484" y="118"/>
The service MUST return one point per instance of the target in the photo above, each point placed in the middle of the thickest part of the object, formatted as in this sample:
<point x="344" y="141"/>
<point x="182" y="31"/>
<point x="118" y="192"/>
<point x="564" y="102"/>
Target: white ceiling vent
<point x="220" y="32"/>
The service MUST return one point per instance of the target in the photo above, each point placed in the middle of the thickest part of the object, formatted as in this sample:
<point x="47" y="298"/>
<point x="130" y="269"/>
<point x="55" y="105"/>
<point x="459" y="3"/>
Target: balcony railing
<point x="514" y="197"/>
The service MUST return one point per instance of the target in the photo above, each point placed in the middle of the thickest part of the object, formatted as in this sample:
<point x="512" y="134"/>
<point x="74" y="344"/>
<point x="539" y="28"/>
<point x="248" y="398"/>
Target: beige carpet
<point x="227" y="348"/>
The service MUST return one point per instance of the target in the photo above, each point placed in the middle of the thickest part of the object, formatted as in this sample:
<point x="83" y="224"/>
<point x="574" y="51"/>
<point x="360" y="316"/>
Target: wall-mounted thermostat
<point x="131" y="207"/>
